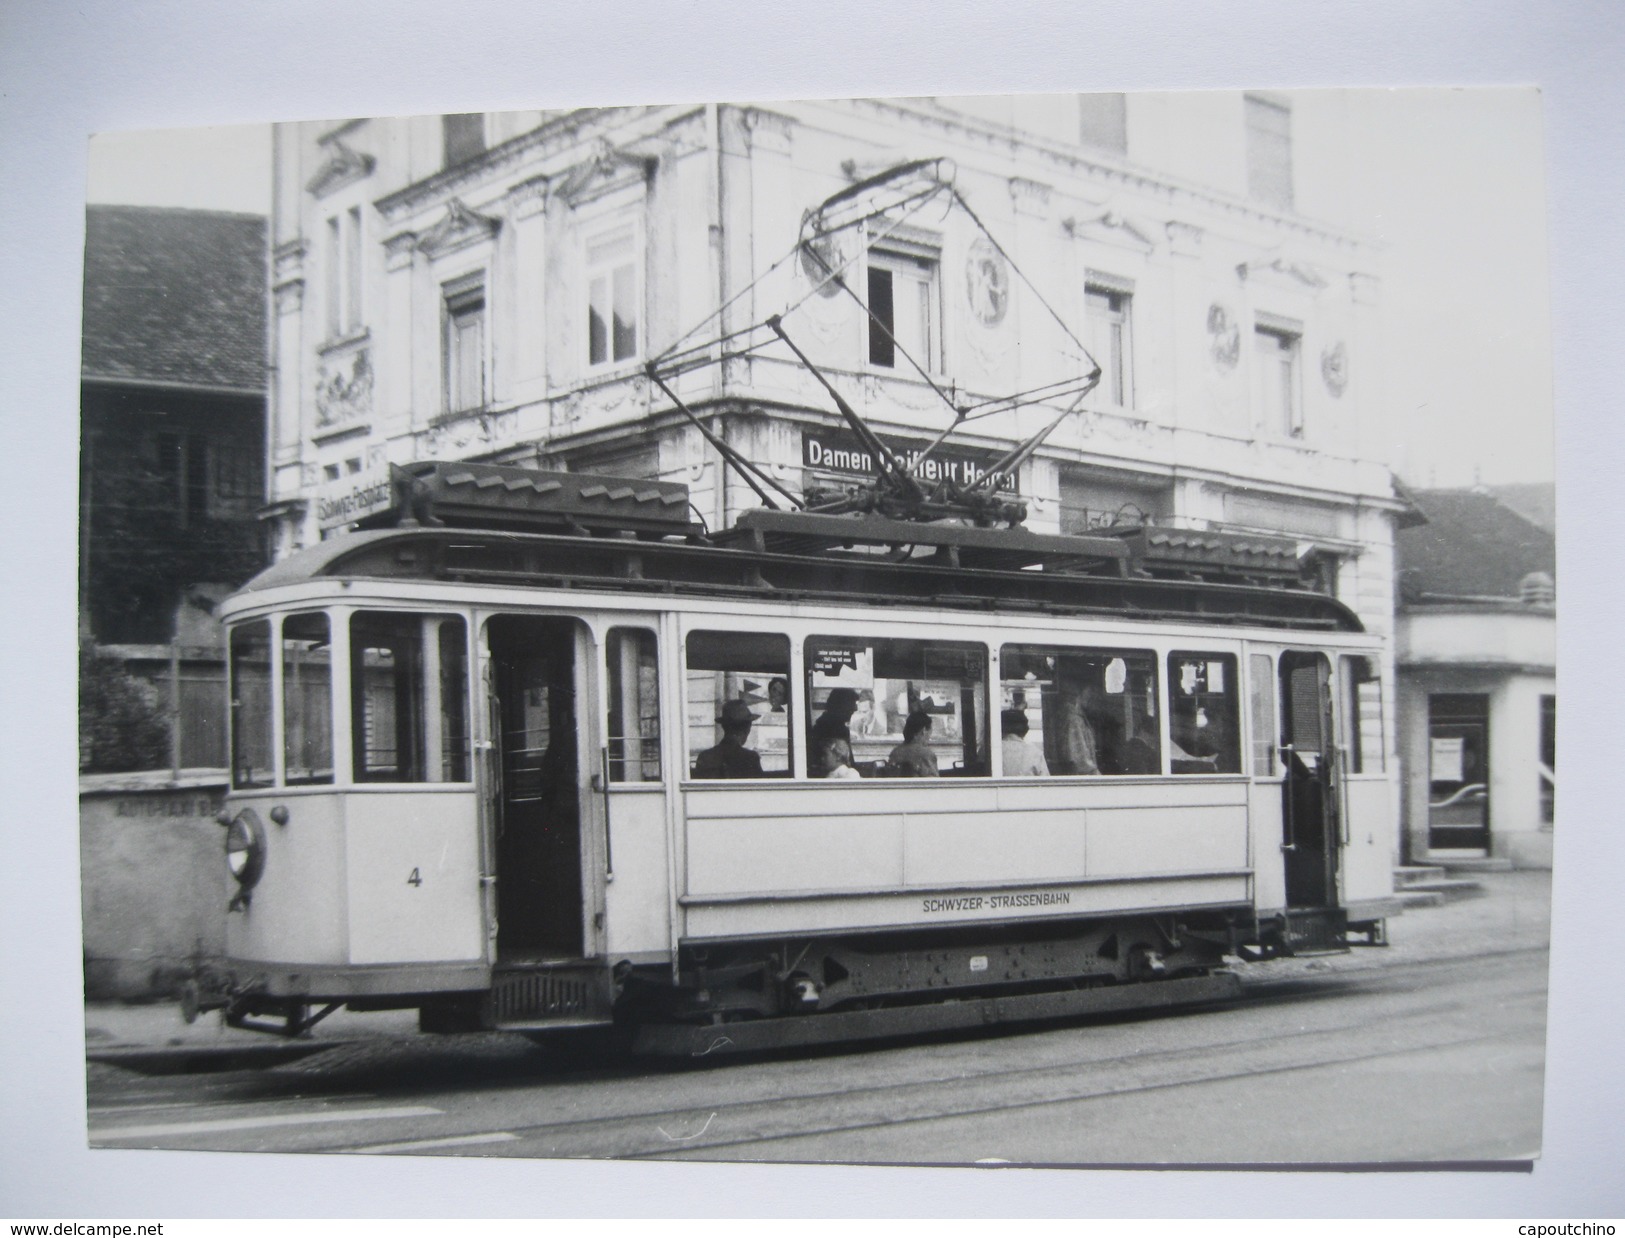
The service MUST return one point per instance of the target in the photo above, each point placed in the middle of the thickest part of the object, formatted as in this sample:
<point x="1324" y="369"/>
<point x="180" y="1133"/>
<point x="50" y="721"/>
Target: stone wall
<point x="152" y="877"/>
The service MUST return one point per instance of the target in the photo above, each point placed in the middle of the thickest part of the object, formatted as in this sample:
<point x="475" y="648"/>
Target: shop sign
<point x="350" y="498"/>
<point x="836" y="451"/>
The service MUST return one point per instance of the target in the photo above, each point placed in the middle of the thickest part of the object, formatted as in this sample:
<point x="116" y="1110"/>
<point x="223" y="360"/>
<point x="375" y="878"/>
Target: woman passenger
<point x="913" y="757"/>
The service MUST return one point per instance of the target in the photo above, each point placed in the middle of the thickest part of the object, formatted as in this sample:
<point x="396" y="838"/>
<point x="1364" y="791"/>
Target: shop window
<point x="307" y="700"/>
<point x="613" y="297"/>
<point x="1107" y="315"/>
<point x="738" y="704"/>
<point x="1088" y="711"/>
<point x="1204" y="714"/>
<point x="464" y="344"/>
<point x="898" y="708"/>
<point x="903" y="309"/>
<point x="634" y="705"/>
<point x="409" y="697"/>
<point x="252" y="763"/>
<point x="1362" y="715"/>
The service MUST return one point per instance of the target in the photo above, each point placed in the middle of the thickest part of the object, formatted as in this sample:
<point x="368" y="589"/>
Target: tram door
<point x="537" y="792"/>
<point x="1309" y="791"/>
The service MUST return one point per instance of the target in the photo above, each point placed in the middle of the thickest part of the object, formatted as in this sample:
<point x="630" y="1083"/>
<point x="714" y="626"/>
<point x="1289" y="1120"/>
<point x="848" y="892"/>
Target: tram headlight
<point x="245" y="849"/>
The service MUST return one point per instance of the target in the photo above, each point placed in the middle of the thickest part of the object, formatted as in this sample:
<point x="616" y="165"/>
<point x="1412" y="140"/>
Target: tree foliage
<point x="123" y="725"/>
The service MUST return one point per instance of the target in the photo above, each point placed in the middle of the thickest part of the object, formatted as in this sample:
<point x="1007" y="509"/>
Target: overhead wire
<point x="678" y="359"/>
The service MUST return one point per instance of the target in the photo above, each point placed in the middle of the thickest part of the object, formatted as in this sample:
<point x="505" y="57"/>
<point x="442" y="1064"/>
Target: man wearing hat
<point x="730" y="758"/>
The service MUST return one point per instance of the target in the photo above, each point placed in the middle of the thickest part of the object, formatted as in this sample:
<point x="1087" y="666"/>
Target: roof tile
<point x="175" y="296"/>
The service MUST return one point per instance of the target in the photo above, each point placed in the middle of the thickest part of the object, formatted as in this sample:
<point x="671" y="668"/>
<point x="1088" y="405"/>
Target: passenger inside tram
<point x="730" y="758"/>
<point x="1086" y="711"/>
<point x="913" y="757"/>
<point x="738" y="680"/>
<point x="835" y="757"/>
<point x="1021" y="759"/>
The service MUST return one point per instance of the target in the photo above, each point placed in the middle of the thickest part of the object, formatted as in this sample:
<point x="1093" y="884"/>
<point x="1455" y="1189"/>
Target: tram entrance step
<point x="1315" y="930"/>
<point x="673" y="1040"/>
<point x="527" y="997"/>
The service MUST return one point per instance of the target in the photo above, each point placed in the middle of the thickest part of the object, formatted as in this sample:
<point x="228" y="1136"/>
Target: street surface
<point x="1436" y="1060"/>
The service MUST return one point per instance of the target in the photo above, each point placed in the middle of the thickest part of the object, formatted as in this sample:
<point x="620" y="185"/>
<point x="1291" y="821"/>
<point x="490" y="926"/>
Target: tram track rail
<point x="772" y="1106"/>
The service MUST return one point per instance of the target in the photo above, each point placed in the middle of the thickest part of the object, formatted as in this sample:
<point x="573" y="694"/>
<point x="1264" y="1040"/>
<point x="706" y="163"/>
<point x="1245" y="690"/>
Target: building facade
<point x="492" y="287"/>
<point x="172" y="457"/>
<point x="1476" y="651"/>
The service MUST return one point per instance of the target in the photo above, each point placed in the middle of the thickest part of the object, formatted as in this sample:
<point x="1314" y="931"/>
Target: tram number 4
<point x="415" y="879"/>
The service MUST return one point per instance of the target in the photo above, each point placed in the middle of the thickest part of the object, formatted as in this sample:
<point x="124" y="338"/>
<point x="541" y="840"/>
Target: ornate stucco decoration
<point x="1110" y="225"/>
<point x="343" y="167"/>
<point x="987" y="282"/>
<point x="288" y="276"/>
<point x="459" y="228"/>
<point x="1224" y="337"/>
<point x="343" y="396"/>
<point x="768" y="131"/>
<point x="1184" y="238"/>
<point x="607" y="168"/>
<point x="821" y="254"/>
<point x="1029" y="197"/>
<point x="398" y="250"/>
<point x="528" y="198"/>
<point x="1334" y="368"/>
<point x="1276" y="264"/>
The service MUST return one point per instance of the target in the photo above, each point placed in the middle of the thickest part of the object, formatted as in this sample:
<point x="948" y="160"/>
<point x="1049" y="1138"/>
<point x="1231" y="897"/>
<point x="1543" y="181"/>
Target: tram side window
<point x="1362" y="715"/>
<point x="904" y="708"/>
<point x="738" y="719"/>
<point x="409" y="697"/>
<point x="634" y="705"/>
<point x="252" y="764"/>
<point x="307" y="700"/>
<point x="1086" y="711"/>
<point x="1204" y="713"/>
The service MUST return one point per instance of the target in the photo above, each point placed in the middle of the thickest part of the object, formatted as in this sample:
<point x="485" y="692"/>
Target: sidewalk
<point x="1513" y="913"/>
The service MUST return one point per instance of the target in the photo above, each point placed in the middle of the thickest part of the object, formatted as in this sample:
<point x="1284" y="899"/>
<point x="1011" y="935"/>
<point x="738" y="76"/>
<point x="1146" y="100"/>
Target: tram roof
<point x="787" y="557"/>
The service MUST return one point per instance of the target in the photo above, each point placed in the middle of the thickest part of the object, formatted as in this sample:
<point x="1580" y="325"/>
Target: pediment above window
<point x="1109" y="225"/>
<point x="343" y="167"/>
<point x="1280" y="269"/>
<point x="460" y="227"/>
<point x="607" y="169"/>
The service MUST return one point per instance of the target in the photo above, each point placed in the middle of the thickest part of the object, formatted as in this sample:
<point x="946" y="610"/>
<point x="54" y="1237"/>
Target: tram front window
<point x="1079" y="711"/>
<point x="307" y="700"/>
<point x="738" y="710"/>
<point x="905" y="708"/>
<point x="409" y="697"/>
<point x="251" y="743"/>
<point x="1204" y="713"/>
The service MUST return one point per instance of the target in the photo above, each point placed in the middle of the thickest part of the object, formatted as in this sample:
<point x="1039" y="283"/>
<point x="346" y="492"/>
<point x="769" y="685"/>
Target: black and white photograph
<point x="865" y="631"/>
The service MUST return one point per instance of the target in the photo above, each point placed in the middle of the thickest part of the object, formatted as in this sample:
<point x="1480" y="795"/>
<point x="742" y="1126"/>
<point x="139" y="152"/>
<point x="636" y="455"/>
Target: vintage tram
<point x="475" y="769"/>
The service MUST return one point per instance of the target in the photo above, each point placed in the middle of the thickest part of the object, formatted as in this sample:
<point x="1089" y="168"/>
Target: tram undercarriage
<point x="740" y="995"/>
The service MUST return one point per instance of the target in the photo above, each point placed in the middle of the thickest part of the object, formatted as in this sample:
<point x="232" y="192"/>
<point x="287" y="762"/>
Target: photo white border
<point x="97" y="64"/>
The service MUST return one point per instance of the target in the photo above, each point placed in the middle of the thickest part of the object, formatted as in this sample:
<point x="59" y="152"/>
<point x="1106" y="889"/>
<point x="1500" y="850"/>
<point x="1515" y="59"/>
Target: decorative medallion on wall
<point x="987" y="282"/>
<point x="344" y="397"/>
<point x="1224" y="336"/>
<point x="821" y="255"/>
<point x="1334" y="367"/>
